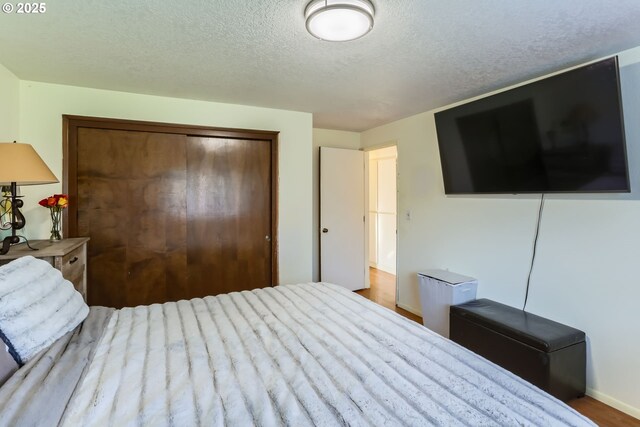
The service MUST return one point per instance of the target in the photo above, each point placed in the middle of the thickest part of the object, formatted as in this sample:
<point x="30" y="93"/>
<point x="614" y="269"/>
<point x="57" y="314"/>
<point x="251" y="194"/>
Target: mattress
<point x="308" y="354"/>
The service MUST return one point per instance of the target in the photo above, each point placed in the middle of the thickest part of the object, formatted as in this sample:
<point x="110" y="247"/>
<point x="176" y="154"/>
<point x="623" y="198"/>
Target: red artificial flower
<point x="57" y="201"/>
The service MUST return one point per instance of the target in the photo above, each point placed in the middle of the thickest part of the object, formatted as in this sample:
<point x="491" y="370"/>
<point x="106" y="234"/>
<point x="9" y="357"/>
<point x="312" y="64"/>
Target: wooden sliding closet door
<point x="228" y="214"/>
<point x="131" y="203"/>
<point x="171" y="216"/>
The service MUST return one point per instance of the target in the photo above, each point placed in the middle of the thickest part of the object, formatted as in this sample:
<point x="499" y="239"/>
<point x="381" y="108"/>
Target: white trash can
<point x="440" y="289"/>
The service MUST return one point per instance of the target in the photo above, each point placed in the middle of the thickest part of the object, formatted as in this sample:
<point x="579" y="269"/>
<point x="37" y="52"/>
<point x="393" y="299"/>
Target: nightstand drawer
<point x="73" y="264"/>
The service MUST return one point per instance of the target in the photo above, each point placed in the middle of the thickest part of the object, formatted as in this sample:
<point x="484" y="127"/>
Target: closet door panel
<point x="228" y="214"/>
<point x="131" y="199"/>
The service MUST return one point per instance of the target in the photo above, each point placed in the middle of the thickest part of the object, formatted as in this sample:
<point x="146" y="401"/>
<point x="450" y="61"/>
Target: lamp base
<point x="7" y="242"/>
<point x="17" y="220"/>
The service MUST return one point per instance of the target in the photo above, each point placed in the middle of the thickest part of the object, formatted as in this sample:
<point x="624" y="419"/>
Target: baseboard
<point x="614" y="403"/>
<point x="385" y="269"/>
<point x="410" y="309"/>
<point x="382" y="268"/>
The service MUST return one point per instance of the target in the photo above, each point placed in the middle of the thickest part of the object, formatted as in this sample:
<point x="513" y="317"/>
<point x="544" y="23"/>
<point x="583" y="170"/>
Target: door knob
<point x="267" y="238"/>
<point x="325" y="230"/>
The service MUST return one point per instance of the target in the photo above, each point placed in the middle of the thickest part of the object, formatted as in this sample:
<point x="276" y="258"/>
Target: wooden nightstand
<point x="68" y="255"/>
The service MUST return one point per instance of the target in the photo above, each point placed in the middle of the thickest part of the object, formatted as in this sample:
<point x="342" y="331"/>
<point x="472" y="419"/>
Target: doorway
<point x="382" y="211"/>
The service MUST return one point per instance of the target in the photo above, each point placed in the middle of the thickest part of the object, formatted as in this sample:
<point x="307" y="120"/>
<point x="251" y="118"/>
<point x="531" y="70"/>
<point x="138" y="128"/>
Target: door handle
<point x="325" y="230"/>
<point x="267" y="238"/>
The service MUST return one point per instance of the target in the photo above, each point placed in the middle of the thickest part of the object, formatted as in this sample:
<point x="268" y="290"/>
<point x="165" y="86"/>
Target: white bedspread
<point x="294" y="355"/>
<point x="37" y="306"/>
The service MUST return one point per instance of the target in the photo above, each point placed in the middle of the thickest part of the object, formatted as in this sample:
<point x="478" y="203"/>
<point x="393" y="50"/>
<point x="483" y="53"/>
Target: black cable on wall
<point x="535" y="245"/>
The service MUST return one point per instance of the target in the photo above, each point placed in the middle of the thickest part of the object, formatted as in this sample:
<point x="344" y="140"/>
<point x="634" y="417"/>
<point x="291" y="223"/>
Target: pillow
<point x="37" y="306"/>
<point x="8" y="366"/>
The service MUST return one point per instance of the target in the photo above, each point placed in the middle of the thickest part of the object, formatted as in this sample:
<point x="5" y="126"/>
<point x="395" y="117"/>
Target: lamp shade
<point x="21" y="164"/>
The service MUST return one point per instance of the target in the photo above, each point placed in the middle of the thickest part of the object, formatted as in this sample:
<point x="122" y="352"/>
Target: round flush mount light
<point x="339" y="20"/>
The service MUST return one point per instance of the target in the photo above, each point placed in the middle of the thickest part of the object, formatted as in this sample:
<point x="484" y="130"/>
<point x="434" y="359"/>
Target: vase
<point x="56" y="236"/>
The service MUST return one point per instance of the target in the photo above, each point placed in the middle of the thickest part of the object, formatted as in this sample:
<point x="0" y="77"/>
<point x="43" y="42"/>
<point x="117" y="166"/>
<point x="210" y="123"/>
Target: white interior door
<point x="342" y="210"/>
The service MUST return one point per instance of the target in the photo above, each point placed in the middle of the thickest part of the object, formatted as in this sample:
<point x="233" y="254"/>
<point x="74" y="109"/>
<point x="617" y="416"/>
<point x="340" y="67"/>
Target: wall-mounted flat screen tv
<point x="564" y="133"/>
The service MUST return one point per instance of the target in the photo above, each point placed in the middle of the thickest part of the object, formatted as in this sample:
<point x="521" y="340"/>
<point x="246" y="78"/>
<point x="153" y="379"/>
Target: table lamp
<point x="20" y="165"/>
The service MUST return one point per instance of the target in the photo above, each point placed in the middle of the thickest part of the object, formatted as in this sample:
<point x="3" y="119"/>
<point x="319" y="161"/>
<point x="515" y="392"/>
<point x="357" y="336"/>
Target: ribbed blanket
<point x="37" y="307"/>
<point x="311" y="354"/>
<point x="38" y="394"/>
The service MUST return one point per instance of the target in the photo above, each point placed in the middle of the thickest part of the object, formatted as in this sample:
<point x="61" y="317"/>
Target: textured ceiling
<point x="420" y="55"/>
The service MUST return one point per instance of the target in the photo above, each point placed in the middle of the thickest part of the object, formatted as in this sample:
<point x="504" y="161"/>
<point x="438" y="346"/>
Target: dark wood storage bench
<point x="548" y="354"/>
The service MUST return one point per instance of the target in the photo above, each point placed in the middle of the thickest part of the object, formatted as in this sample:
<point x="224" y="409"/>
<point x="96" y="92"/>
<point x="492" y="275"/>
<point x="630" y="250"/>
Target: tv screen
<point x="561" y="134"/>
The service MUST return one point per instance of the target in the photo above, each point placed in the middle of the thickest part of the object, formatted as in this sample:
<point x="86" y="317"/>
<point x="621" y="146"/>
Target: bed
<point x="306" y="354"/>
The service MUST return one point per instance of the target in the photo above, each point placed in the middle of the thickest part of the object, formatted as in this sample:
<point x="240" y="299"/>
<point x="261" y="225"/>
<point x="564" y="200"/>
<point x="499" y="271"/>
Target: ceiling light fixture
<point x="339" y="20"/>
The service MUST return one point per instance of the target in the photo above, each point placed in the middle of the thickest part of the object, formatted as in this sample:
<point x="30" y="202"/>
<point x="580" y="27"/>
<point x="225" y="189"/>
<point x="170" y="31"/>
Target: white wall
<point x="587" y="264"/>
<point x="9" y="106"/>
<point x="331" y="139"/>
<point x="42" y="106"/>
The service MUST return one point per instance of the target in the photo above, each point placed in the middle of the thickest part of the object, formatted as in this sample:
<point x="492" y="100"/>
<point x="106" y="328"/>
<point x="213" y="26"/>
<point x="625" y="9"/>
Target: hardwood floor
<point x="602" y="414"/>
<point x="383" y="292"/>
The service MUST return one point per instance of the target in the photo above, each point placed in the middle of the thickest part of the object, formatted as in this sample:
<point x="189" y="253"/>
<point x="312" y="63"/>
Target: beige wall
<point x="42" y="106"/>
<point x="332" y="139"/>
<point x="9" y="106"/>
<point x="586" y="264"/>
